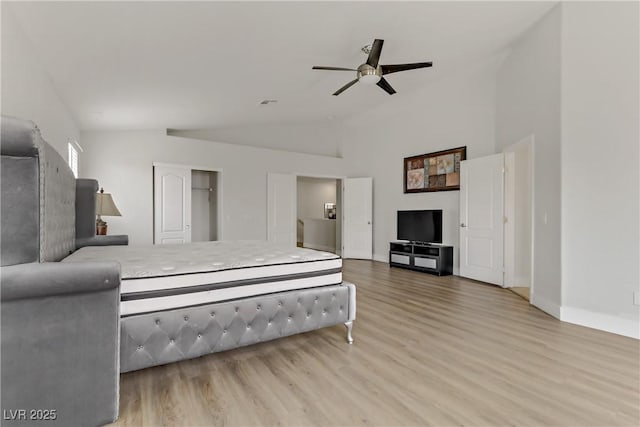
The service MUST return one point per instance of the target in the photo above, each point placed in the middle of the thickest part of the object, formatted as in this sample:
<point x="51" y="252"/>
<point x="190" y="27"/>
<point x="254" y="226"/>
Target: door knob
<point x="369" y="222"/>
<point x="187" y="226"/>
<point x="462" y="225"/>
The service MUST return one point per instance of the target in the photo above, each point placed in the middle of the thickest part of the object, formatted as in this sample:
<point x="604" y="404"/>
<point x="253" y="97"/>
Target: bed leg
<point x="349" y="326"/>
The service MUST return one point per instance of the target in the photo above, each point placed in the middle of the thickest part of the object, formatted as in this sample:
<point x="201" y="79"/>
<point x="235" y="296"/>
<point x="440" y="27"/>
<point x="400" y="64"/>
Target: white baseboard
<point x="545" y="305"/>
<point x="577" y="316"/>
<point x="381" y="258"/>
<point x="601" y="321"/>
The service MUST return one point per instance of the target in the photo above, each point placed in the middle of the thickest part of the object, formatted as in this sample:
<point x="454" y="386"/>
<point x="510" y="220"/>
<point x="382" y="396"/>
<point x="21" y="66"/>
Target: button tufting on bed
<point x="168" y="336"/>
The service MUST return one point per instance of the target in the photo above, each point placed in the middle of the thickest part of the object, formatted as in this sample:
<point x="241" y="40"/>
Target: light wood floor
<point x="428" y="351"/>
<point x="521" y="291"/>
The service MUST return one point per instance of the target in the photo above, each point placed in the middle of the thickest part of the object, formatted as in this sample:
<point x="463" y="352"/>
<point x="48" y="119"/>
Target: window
<point x="73" y="159"/>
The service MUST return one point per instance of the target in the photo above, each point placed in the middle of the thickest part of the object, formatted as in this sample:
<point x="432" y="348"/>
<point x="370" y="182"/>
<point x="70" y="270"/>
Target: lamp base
<point x="101" y="227"/>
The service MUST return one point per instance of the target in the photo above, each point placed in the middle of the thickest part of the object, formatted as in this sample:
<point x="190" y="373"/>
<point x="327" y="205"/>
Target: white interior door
<point x="172" y="204"/>
<point x="481" y="219"/>
<point x="281" y="209"/>
<point x="357" y="197"/>
<point x="339" y="217"/>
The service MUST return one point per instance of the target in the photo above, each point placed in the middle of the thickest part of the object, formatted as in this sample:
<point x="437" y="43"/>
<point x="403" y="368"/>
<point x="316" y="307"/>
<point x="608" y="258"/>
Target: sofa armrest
<point x="116" y="240"/>
<point x="49" y="279"/>
<point x="60" y="341"/>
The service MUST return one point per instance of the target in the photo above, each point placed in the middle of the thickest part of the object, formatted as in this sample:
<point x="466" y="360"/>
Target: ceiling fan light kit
<point x="368" y="74"/>
<point x="371" y="72"/>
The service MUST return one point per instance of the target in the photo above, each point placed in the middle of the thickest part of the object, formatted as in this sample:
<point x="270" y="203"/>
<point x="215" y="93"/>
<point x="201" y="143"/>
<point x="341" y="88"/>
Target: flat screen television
<point x="420" y="226"/>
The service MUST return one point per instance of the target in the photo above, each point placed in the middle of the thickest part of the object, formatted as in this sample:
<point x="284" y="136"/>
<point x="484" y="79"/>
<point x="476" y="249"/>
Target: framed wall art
<point x="330" y="210"/>
<point x="439" y="171"/>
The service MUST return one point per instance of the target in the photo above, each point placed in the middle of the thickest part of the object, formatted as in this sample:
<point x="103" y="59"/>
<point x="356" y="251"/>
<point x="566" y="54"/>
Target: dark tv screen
<point x="420" y="226"/>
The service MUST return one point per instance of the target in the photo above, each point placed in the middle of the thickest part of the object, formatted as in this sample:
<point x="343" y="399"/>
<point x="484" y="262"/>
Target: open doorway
<point x="187" y="204"/>
<point x="204" y="206"/>
<point x="319" y="217"/>
<point x="354" y="214"/>
<point x="518" y="211"/>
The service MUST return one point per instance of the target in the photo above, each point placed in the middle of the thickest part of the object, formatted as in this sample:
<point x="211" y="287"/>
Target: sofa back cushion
<point x="35" y="169"/>
<point x="86" y="190"/>
<point x="57" y="206"/>
<point x="20" y="210"/>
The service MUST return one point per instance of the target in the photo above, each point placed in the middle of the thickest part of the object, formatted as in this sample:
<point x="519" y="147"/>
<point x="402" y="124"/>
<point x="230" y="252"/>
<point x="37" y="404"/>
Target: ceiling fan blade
<point x="332" y="68"/>
<point x="386" y="86"/>
<point x="374" y="55"/>
<point x="388" y="69"/>
<point x="345" y="87"/>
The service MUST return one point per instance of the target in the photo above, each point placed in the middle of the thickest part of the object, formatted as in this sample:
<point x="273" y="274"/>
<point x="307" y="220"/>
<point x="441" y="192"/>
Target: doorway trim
<point x="528" y="142"/>
<point x="219" y="190"/>
<point x="341" y="201"/>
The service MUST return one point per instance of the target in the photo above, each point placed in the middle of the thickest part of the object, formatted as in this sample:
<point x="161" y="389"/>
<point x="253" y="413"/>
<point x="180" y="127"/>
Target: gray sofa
<point x="60" y="321"/>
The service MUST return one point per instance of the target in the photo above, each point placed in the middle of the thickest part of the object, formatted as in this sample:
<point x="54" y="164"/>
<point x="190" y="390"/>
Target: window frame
<point x="73" y="158"/>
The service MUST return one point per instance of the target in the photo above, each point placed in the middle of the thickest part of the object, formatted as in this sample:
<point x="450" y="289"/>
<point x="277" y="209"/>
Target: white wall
<point x="122" y="163"/>
<point x="311" y="138"/>
<point x="27" y="92"/>
<point x="600" y="179"/>
<point x="455" y="111"/>
<point x="313" y="193"/>
<point x="522" y="217"/>
<point x="319" y="234"/>
<point x="528" y="102"/>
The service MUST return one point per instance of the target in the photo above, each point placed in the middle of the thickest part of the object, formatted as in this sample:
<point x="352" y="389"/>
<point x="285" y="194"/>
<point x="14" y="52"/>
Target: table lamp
<point x="106" y="207"/>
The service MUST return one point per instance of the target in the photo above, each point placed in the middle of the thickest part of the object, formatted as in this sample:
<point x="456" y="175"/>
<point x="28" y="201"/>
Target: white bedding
<point x="163" y="277"/>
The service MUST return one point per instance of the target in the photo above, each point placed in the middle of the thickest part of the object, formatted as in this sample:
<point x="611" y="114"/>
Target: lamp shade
<point x="105" y="205"/>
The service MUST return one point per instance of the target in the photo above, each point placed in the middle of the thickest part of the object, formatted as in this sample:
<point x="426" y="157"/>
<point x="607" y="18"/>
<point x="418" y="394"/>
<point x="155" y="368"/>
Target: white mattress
<point x="164" y="277"/>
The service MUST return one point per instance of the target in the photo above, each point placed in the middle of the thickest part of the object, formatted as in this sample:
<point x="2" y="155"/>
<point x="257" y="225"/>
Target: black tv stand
<point x="426" y="257"/>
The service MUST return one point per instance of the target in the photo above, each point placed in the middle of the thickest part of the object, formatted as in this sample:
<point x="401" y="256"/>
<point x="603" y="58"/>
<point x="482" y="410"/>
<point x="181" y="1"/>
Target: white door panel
<point x="172" y="213"/>
<point x="339" y="217"/>
<point x="481" y="219"/>
<point x="171" y="241"/>
<point x="281" y="208"/>
<point x="358" y="218"/>
<point x="172" y="205"/>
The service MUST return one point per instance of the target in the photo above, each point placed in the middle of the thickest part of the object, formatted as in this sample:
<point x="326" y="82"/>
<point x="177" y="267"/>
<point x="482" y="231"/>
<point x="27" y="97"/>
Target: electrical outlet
<point x="636" y="298"/>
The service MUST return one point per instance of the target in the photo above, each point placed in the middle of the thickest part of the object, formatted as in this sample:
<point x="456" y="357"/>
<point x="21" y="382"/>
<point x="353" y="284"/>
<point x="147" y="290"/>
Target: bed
<point x="185" y="301"/>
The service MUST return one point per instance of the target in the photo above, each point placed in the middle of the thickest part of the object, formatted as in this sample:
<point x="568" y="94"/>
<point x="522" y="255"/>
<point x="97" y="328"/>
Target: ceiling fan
<point x="371" y="73"/>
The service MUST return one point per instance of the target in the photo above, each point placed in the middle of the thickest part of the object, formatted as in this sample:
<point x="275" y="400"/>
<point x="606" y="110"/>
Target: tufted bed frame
<point x="169" y="336"/>
<point x="155" y="338"/>
<point x="257" y="292"/>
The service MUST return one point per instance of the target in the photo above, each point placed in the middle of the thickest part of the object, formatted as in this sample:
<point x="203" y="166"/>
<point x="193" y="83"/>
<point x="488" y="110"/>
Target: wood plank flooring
<point x="521" y="291"/>
<point x="428" y="351"/>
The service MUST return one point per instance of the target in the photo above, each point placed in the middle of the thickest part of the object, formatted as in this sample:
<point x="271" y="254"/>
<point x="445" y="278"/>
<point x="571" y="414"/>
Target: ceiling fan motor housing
<point x="368" y="74"/>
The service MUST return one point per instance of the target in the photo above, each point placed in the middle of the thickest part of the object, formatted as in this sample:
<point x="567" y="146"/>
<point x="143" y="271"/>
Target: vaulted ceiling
<point x="204" y="65"/>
